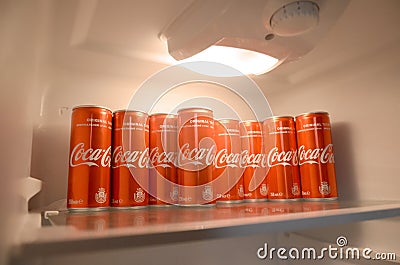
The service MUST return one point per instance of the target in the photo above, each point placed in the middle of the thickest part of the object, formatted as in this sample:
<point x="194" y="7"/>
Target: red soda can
<point x="90" y="158"/>
<point x="163" y="146"/>
<point x="196" y="151"/>
<point x="130" y="174"/>
<point x="253" y="160"/>
<point x="227" y="173"/>
<point x="316" y="158"/>
<point x="283" y="179"/>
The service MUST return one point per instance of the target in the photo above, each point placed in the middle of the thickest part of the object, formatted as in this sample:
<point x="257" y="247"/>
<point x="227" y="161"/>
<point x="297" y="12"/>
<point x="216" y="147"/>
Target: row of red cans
<point x="129" y="159"/>
<point x="298" y="157"/>
<point x="188" y="159"/>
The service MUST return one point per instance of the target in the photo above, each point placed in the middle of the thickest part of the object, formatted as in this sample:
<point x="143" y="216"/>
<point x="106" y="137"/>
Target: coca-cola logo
<point x="162" y="159"/>
<point x="130" y="158"/>
<point x="225" y="159"/>
<point x="253" y="160"/>
<point x="317" y="155"/>
<point x="283" y="158"/>
<point x="195" y="157"/>
<point x="90" y="157"/>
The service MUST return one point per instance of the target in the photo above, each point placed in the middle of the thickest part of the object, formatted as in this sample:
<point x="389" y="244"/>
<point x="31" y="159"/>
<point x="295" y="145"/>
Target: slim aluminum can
<point x="227" y="173"/>
<point x="316" y="157"/>
<point x="196" y="151"/>
<point x="130" y="173"/>
<point x="254" y="162"/>
<point x="90" y="158"/>
<point x="283" y="178"/>
<point x="163" y="154"/>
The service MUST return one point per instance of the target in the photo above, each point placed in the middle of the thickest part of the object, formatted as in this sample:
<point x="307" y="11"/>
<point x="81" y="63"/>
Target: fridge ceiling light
<point x="246" y="61"/>
<point x="284" y="30"/>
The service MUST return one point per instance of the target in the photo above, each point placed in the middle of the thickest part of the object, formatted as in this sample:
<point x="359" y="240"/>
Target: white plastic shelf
<point x="85" y="231"/>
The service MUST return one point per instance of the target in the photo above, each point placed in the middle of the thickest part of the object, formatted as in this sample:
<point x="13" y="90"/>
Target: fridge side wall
<point x="22" y="68"/>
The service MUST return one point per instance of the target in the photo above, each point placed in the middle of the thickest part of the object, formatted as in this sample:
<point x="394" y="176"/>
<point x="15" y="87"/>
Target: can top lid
<point x="90" y="106"/>
<point x="130" y="111"/>
<point x="227" y="120"/>
<point x="196" y="109"/>
<point x="313" y="112"/>
<point x="250" y="121"/>
<point x="279" y="117"/>
<point x="168" y="115"/>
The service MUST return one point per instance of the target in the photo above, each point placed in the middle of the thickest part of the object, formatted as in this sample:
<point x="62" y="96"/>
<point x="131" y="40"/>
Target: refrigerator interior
<point x="58" y="54"/>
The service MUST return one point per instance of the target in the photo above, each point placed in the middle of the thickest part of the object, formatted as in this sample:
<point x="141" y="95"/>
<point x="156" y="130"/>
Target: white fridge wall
<point x="23" y="72"/>
<point x="95" y="59"/>
<point x="24" y="77"/>
<point x="364" y="113"/>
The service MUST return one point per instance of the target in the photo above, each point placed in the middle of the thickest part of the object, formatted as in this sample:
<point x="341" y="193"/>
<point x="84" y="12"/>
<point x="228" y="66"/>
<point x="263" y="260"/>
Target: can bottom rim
<point x="88" y="209"/>
<point x="255" y="200"/>
<point x="285" y="200"/>
<point x="162" y="205"/>
<point x="230" y="202"/>
<point x="197" y="205"/>
<point x="321" y="199"/>
<point x="128" y="207"/>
